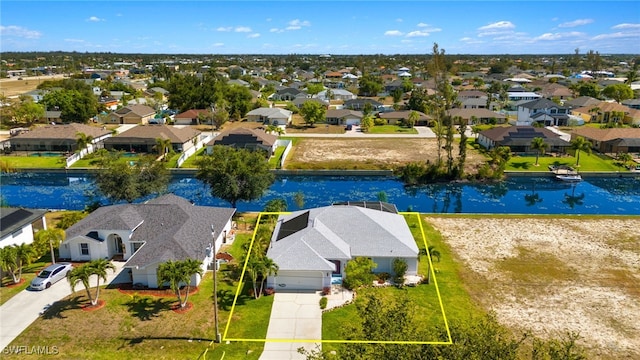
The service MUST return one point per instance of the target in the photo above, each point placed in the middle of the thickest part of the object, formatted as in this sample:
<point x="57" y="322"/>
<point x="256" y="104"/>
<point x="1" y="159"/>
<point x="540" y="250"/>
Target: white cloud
<point x="299" y="23"/>
<point x="242" y="29"/>
<point x="616" y="35"/>
<point x="393" y="33"/>
<point x="94" y="19"/>
<point x="293" y="27"/>
<point x="417" y="33"/>
<point x="218" y="44"/>
<point x="19" y="31"/>
<point x="575" y="23"/>
<point x="399" y="20"/>
<point x="626" y="26"/>
<point x="558" y="36"/>
<point x="74" y="40"/>
<point x="423" y="25"/>
<point x="224" y="28"/>
<point x="276" y="30"/>
<point x="253" y="36"/>
<point x="500" y="25"/>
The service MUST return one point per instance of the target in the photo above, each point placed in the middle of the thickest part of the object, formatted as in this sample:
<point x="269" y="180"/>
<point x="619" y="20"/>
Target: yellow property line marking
<point x="433" y="276"/>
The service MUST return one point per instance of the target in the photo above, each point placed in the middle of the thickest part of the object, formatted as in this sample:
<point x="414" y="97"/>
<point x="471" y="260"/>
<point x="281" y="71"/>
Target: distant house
<point x="359" y="104"/>
<point x="142" y="138"/>
<point x="604" y="112"/>
<point x="151" y="92"/>
<point x="245" y="138"/>
<point x="581" y="101"/>
<point x="109" y="102"/>
<point x="343" y="117"/>
<point x="57" y="138"/>
<point x="288" y="94"/>
<point x="473" y="103"/>
<point x="311" y="247"/>
<point x="556" y="91"/>
<point x="300" y="101"/>
<point x="132" y="114"/>
<point x="611" y="141"/>
<point x="168" y="228"/>
<point x="399" y="117"/>
<point x="519" y="139"/>
<point x="478" y="116"/>
<point x="542" y="111"/>
<point x="52" y="116"/>
<point x="523" y="95"/>
<point x="336" y="94"/>
<point x="270" y="116"/>
<point x="471" y="94"/>
<point x="191" y="117"/>
<point x="18" y="225"/>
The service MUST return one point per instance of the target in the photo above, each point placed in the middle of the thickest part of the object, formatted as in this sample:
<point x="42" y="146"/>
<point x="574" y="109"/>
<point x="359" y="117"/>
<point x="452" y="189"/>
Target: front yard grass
<point x="34" y="162"/>
<point x="588" y="162"/>
<point x="391" y="129"/>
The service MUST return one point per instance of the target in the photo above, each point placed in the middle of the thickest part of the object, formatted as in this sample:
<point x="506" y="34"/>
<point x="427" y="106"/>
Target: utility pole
<point x="215" y="287"/>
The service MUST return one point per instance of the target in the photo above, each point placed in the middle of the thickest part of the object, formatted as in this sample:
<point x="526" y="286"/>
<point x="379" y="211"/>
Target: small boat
<point x="569" y="177"/>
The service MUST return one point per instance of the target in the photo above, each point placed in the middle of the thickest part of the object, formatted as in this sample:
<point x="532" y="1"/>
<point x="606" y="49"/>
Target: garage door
<point x="298" y="281"/>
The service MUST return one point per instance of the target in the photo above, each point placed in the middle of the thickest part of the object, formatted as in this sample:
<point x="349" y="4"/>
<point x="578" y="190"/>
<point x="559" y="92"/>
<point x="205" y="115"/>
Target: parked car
<point x="51" y="275"/>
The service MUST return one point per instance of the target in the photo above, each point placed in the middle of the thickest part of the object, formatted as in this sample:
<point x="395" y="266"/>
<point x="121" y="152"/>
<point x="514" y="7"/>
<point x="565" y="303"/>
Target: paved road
<point x="25" y="307"/>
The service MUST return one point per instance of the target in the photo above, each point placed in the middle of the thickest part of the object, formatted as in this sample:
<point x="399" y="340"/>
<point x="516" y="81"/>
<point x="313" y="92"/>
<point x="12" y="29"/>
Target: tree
<point x="580" y="144"/>
<point x="399" y="271"/>
<point x="69" y="218"/>
<point x="267" y="268"/>
<point x="177" y="273"/>
<point x="83" y="275"/>
<point x="75" y="105"/>
<point x="540" y="146"/>
<point x="28" y="112"/>
<point x="120" y="181"/>
<point x="413" y="118"/>
<point x="358" y="272"/>
<point x="625" y="158"/>
<point x="432" y="253"/>
<point x="235" y="174"/>
<point x="366" y="123"/>
<point x="14" y="258"/>
<point x="48" y="239"/>
<point x="163" y="146"/>
<point x="312" y="112"/>
<point x="220" y="117"/>
<point x="618" y="92"/>
<point x="314" y="88"/>
<point x="276" y="205"/>
<point x="82" y="140"/>
<point x="369" y="85"/>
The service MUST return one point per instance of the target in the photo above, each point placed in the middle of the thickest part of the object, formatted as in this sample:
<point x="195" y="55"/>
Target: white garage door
<point x="298" y="281"/>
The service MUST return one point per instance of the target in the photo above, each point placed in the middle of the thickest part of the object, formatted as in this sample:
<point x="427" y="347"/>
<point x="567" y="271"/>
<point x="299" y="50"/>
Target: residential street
<point x="24" y="308"/>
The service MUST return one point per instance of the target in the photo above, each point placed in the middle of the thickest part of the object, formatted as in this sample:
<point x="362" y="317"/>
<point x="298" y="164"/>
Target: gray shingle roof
<point x="68" y="131"/>
<point x="177" y="135"/>
<point x="12" y="219"/>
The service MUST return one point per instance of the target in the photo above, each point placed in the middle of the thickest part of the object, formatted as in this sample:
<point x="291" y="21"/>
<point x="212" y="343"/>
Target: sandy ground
<point x="382" y="151"/>
<point x="12" y="87"/>
<point x="554" y="276"/>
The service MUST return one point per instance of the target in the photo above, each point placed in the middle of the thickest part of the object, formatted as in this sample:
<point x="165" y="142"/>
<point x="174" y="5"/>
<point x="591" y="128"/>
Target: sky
<point x="349" y="27"/>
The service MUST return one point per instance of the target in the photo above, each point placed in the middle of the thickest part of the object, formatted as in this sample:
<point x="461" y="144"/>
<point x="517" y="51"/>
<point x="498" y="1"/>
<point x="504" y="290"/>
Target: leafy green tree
<point x="618" y="92"/>
<point x="267" y="268"/>
<point x="69" y="218"/>
<point x="358" y="272"/>
<point x="399" y="271"/>
<point x="625" y="158"/>
<point x="163" y="146"/>
<point x="366" y="123"/>
<point x="220" y="117"/>
<point x="580" y="144"/>
<point x="276" y="205"/>
<point x="396" y="94"/>
<point x="314" y="88"/>
<point x="177" y="274"/>
<point x="540" y="146"/>
<point x="413" y="118"/>
<point x="589" y="89"/>
<point x="48" y="239"/>
<point x="312" y="112"/>
<point x="120" y="181"/>
<point x="369" y="85"/>
<point x="75" y="105"/>
<point x="83" y="274"/>
<point x="28" y="112"/>
<point x="235" y="174"/>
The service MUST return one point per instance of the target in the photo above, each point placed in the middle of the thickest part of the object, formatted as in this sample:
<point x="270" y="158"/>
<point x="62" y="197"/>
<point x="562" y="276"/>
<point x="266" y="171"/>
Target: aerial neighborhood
<point x="172" y="275"/>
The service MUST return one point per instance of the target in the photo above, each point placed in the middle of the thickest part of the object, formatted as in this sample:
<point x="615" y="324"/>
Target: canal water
<point x="517" y="195"/>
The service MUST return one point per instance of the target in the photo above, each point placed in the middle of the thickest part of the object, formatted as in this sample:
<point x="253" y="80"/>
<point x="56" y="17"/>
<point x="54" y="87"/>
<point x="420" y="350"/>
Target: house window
<point x="136" y="246"/>
<point x="84" y="249"/>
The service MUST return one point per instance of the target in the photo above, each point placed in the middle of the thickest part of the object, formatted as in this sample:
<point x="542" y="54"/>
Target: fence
<point x="192" y="150"/>
<point x="288" y="146"/>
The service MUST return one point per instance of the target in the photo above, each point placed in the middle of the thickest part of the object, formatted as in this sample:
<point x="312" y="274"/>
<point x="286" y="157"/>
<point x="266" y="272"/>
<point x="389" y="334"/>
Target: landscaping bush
<point x="358" y="273"/>
<point x="400" y="269"/>
<point x="323" y="302"/>
<point x="383" y="277"/>
<point x="326" y="290"/>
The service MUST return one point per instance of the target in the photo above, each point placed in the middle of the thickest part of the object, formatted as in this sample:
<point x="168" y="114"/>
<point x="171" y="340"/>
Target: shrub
<point x="379" y="122"/>
<point x="383" y="276"/>
<point x="269" y="291"/>
<point x="323" y="302"/>
<point x="326" y="290"/>
<point x="358" y="273"/>
<point x="400" y="269"/>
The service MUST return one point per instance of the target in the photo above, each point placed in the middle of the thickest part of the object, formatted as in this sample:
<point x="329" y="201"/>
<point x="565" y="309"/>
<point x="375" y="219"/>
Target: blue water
<point x="607" y="196"/>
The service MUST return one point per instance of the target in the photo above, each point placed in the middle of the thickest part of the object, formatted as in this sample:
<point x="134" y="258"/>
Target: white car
<point x="51" y="275"/>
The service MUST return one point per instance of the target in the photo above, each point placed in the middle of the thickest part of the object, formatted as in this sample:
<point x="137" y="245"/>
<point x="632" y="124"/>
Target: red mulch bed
<point x="177" y="309"/>
<point x="224" y="256"/>
<point x="128" y="289"/>
<point x="10" y="284"/>
<point x="98" y="306"/>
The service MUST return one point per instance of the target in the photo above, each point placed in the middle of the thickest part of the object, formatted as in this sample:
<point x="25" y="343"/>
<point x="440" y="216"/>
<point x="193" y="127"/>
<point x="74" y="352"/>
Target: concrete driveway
<point x="25" y="307"/>
<point x="296" y="321"/>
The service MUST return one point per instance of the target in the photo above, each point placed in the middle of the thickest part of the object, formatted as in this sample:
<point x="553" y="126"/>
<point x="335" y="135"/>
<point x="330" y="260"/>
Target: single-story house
<point x="58" y="138"/>
<point x="478" y="116"/>
<point x="132" y="114"/>
<point x="167" y="228"/>
<point x="52" y="116"/>
<point x="519" y="138"/>
<point x="312" y="247"/>
<point x="581" y="101"/>
<point x="18" y="225"/>
<point x="336" y="94"/>
<point x="615" y="140"/>
<point x="399" y="117"/>
<point x="245" y="138"/>
<point x="343" y="117"/>
<point x="300" y="101"/>
<point x="288" y="94"/>
<point x="360" y="103"/>
<point x="142" y="138"/>
<point x="191" y="117"/>
<point x="270" y="116"/>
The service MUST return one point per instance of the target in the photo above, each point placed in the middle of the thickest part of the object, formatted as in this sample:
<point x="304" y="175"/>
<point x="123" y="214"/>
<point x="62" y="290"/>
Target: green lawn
<point x="274" y="162"/>
<point x="28" y="273"/>
<point x="588" y="162"/>
<point x="92" y="162"/>
<point x="191" y="161"/>
<point x="36" y="162"/>
<point x="391" y="129"/>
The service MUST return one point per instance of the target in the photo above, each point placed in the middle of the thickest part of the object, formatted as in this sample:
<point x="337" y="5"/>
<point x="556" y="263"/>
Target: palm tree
<point x="538" y="144"/>
<point x="413" y="118"/>
<point x="163" y="146"/>
<point x="625" y="158"/>
<point x="53" y="237"/>
<point x="432" y="253"/>
<point x="177" y="273"/>
<point x="82" y="140"/>
<point x="580" y="144"/>
<point x="83" y="273"/>
<point x="14" y="258"/>
<point x="268" y="268"/>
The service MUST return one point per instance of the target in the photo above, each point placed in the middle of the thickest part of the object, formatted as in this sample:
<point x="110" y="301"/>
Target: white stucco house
<point x="145" y="235"/>
<point x="271" y="116"/>
<point x="18" y="225"/>
<point x="312" y="247"/>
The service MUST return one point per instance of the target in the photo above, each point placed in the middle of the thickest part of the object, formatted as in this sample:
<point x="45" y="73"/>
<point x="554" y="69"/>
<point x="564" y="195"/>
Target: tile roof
<point x="192" y="114"/>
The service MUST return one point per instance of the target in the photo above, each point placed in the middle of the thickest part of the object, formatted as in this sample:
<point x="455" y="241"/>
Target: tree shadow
<point x="56" y="310"/>
<point x="525" y="165"/>
<point x="140" y="339"/>
<point x="226" y="297"/>
<point x="146" y="308"/>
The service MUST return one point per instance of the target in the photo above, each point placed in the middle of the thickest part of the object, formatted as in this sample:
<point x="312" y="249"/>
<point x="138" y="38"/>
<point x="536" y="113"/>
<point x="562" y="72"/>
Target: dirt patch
<point x="382" y="152"/>
<point x="552" y="276"/>
<point x="14" y="87"/>
<point x="99" y="305"/>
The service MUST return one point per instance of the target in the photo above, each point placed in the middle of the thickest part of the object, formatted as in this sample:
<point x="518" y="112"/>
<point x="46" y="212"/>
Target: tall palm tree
<point x="83" y="274"/>
<point x="432" y="253"/>
<point x="14" y="258"/>
<point x="163" y="146"/>
<point x="625" y="158"/>
<point x="268" y="268"/>
<point x="177" y="273"/>
<point x="52" y="237"/>
<point x="82" y="140"/>
<point x="540" y="146"/>
<point x="580" y="144"/>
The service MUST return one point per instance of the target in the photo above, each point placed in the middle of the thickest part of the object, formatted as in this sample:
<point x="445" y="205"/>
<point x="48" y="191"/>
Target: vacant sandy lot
<point x="554" y="276"/>
<point x="385" y="152"/>
<point x="13" y="87"/>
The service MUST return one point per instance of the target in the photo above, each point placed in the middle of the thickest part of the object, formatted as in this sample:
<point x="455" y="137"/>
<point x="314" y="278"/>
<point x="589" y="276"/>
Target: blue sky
<point x="321" y="27"/>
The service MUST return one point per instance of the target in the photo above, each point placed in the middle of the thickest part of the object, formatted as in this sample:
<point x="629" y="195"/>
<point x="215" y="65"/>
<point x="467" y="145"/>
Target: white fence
<point x="204" y="139"/>
<point x="288" y="144"/>
<point x="80" y="154"/>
